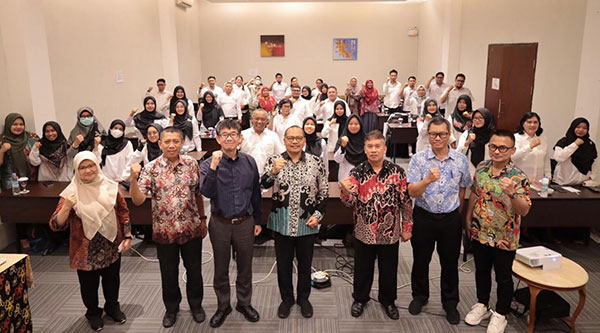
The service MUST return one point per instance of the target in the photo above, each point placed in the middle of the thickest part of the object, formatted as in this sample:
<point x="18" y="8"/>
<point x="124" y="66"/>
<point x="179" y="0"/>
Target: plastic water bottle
<point x="544" y="191"/>
<point x="14" y="184"/>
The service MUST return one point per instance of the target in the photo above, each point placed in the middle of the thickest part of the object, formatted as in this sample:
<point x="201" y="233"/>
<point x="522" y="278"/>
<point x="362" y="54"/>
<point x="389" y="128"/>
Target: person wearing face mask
<point x="148" y="116"/>
<point x="96" y="213"/>
<point x="183" y="121"/>
<point x="474" y="142"/>
<point x="113" y="151"/>
<point x="87" y="130"/>
<point x="53" y="155"/>
<point x="575" y="154"/>
<point x="531" y="155"/>
<point x="333" y="127"/>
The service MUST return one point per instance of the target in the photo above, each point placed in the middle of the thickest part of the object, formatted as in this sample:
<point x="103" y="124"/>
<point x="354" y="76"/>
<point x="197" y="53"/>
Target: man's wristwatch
<point x="203" y="217"/>
<point x="127" y="237"/>
<point x="514" y="195"/>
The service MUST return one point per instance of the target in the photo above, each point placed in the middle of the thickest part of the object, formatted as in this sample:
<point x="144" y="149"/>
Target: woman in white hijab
<point x="97" y="215"/>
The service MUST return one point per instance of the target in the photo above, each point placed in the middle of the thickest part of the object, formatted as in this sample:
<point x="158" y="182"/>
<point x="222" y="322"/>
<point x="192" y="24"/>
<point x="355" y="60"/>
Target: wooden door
<point x="510" y="82"/>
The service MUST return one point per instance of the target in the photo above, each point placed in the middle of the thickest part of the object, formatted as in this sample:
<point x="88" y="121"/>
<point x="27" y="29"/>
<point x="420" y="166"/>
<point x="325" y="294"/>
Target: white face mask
<point x="116" y="133"/>
<point x="257" y="82"/>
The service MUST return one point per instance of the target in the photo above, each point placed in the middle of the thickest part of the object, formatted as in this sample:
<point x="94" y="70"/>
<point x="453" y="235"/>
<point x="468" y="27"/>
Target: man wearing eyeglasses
<point x="499" y="198"/>
<point x="438" y="178"/>
<point x="230" y="179"/>
<point x="300" y="192"/>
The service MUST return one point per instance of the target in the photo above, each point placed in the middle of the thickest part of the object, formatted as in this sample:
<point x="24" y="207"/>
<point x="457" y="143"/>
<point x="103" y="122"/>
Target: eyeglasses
<point x="152" y="133"/>
<point x="478" y="118"/>
<point x="229" y="135"/>
<point x="294" y="138"/>
<point x="441" y="135"/>
<point x="502" y="149"/>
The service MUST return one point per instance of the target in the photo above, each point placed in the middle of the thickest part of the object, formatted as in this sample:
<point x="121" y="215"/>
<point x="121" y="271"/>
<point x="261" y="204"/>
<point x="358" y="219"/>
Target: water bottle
<point x="14" y="184"/>
<point x="544" y="191"/>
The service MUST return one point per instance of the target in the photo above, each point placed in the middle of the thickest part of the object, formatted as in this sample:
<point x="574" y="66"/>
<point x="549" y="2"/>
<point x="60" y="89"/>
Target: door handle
<point x="499" y="107"/>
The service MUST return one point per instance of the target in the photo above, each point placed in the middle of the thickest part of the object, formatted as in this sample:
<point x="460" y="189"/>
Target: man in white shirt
<point x="452" y="93"/>
<point x="230" y="103"/>
<point x="391" y="90"/>
<point x="161" y="96"/>
<point x="325" y="111"/>
<point x="278" y="87"/>
<point x="260" y="142"/>
<point x="408" y="91"/>
<point x="437" y="90"/>
<point x="212" y="86"/>
<point x="300" y="106"/>
<point x="317" y="89"/>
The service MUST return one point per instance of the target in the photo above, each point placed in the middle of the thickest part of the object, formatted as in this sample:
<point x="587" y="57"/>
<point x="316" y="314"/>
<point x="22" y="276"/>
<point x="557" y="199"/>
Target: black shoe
<point x="283" y="311"/>
<point x="357" y="309"/>
<point x="415" y="307"/>
<point x="305" y="308"/>
<point x="169" y="319"/>
<point x="199" y="315"/>
<point x="391" y="311"/>
<point x="219" y="317"/>
<point x="452" y="316"/>
<point x="249" y="312"/>
<point x="118" y="316"/>
<point x="96" y="322"/>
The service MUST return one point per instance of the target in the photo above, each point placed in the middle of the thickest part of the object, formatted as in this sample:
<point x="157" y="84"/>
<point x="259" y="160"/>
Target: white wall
<point x="230" y="40"/>
<point x="557" y="25"/>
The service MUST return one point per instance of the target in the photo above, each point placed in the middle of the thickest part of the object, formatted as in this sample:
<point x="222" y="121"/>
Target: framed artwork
<point x="272" y="45"/>
<point x="345" y="48"/>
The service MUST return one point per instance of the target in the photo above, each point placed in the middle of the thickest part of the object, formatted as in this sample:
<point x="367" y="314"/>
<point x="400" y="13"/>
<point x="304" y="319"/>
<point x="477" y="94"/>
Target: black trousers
<point x="364" y="265"/>
<point x="168" y="259"/>
<point x="89" y="282"/>
<point x="223" y="237"/>
<point x="446" y="231"/>
<point x="502" y="260"/>
<point x="285" y="246"/>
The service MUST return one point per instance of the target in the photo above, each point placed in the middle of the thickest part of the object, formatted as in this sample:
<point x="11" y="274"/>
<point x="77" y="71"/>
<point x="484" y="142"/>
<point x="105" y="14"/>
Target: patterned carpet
<point x="56" y="303"/>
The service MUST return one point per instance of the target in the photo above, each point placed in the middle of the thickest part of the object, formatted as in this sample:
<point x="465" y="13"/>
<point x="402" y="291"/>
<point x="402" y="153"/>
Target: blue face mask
<point x="86" y="121"/>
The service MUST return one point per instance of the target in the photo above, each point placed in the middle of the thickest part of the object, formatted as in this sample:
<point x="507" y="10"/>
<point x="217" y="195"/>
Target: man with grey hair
<point x="260" y="142"/>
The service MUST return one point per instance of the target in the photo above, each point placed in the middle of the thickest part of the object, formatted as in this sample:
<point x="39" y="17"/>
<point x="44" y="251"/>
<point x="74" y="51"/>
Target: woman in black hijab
<point x="473" y="143"/>
<point x="86" y="130"/>
<point x="179" y="93"/>
<point x="314" y="144"/>
<point x="53" y="155"/>
<point x="182" y="120"/>
<point x="350" y="150"/>
<point x="211" y="112"/>
<point x="116" y="148"/>
<point x="462" y="115"/>
<point x="147" y="117"/>
<point x="575" y="154"/>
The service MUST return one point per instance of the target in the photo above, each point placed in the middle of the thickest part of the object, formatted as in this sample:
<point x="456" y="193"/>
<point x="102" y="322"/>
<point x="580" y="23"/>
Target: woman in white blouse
<point x="185" y="122"/>
<point x="281" y="122"/>
<point x="243" y="92"/>
<point x="331" y="127"/>
<point x="314" y="144"/>
<point x="575" y="154"/>
<point x="114" y="151"/>
<point x="147" y="151"/>
<point x="53" y="155"/>
<point x="531" y="155"/>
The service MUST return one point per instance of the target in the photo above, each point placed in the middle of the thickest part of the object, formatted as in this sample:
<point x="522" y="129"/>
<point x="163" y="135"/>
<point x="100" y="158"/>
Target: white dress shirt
<point x="436" y="91"/>
<point x="407" y="93"/>
<point x="278" y="90"/>
<point x="301" y="109"/>
<point x="280" y="124"/>
<point x="534" y="162"/>
<point x="330" y="132"/>
<point x="566" y="173"/>
<point x="392" y="94"/>
<point x="344" y="166"/>
<point x="261" y="146"/>
<point x="230" y="105"/>
<point x="115" y="163"/>
<point x="216" y="91"/>
<point x="243" y="93"/>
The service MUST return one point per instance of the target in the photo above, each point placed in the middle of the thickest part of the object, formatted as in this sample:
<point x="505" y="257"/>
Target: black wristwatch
<point x="514" y="195"/>
<point x="127" y="237"/>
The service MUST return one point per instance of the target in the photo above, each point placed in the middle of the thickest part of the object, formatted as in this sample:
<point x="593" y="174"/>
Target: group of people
<point x="282" y="150"/>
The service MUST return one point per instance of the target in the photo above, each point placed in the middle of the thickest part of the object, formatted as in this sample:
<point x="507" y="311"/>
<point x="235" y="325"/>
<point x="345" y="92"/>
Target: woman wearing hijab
<point x="474" y="142"/>
<point x="461" y="117"/>
<point x="265" y="101"/>
<point x="320" y="99"/>
<point x="531" y="155"/>
<point x="114" y="151"/>
<point x="349" y="150"/>
<point x="575" y="154"/>
<point x="353" y="96"/>
<point x="147" y="151"/>
<point x="314" y="144"/>
<point x="53" y="155"/>
<point x="16" y="145"/>
<point x="182" y="120"/>
<point x="97" y="216"/>
<point x="83" y="135"/>
<point x="210" y="111"/>
<point x="415" y="102"/>
<point x="369" y="105"/>
<point x="430" y="110"/>
<point x="333" y="127"/>
<point x="148" y="116"/>
<point x="179" y="93"/>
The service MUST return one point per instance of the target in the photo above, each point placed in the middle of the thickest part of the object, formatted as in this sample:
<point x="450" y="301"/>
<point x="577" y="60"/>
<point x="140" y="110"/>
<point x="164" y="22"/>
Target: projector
<point x="536" y="256"/>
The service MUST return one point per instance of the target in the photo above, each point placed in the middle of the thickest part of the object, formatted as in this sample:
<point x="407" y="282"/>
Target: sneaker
<point x="478" y="313"/>
<point x="497" y="323"/>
